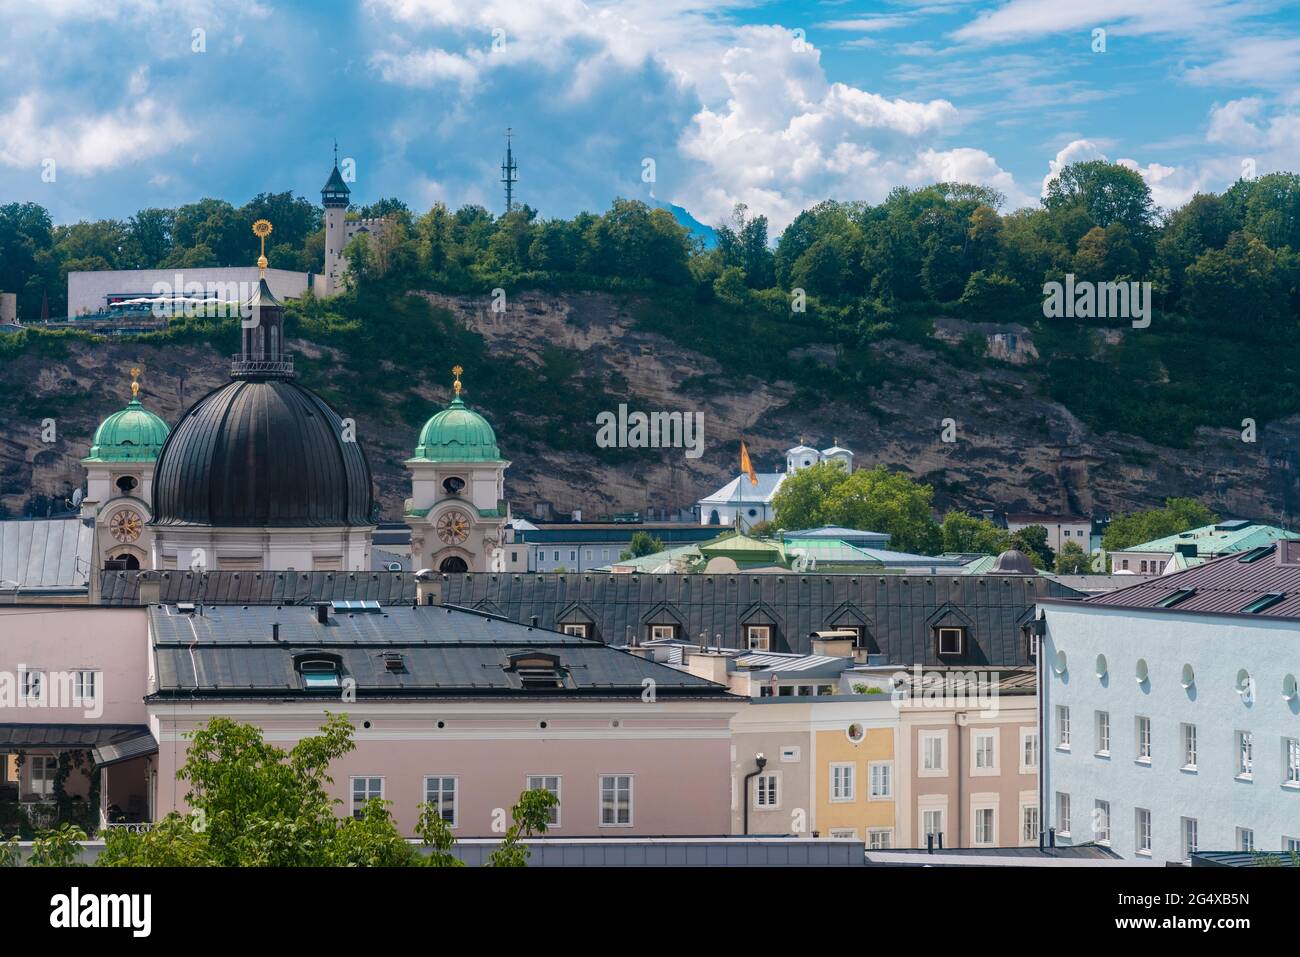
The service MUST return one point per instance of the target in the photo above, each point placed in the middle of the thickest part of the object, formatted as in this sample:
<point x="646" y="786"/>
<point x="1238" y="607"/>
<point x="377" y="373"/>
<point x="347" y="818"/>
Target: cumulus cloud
<point x="1076" y="151"/>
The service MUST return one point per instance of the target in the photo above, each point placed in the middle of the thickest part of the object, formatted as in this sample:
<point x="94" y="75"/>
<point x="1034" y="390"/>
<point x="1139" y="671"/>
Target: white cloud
<point x="1253" y="62"/>
<point x="1026" y="19"/>
<point x="1076" y="151"/>
<point x="92" y="142"/>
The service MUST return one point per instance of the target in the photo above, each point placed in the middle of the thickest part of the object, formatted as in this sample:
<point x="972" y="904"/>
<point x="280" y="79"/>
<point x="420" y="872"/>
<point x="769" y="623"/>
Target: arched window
<point x="713" y="517"/>
<point x="453" y="564"/>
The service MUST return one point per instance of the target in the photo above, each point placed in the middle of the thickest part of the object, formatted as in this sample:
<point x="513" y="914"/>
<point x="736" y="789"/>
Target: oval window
<point x="1289" y="689"/>
<point x="1102" y="667"/>
<point x="1059" y="666"/>
<point x="856" y="732"/>
<point x="1189" y="676"/>
<point x="1142" y="674"/>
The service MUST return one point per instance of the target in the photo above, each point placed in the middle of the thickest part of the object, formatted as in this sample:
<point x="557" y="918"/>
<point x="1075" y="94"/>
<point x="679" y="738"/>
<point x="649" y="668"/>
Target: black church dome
<point x="261" y="451"/>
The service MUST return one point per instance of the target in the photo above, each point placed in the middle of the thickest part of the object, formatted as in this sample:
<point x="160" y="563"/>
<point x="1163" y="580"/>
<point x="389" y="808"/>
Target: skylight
<point x="1175" y="597"/>
<point x="1263" y="602"/>
<point x="1255" y="554"/>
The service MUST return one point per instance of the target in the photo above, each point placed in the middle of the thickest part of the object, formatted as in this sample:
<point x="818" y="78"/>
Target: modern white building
<point x="1170" y="711"/>
<point x="1060" y="528"/>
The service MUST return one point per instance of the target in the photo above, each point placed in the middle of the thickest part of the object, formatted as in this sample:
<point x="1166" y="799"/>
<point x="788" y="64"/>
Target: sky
<point x="143" y="103"/>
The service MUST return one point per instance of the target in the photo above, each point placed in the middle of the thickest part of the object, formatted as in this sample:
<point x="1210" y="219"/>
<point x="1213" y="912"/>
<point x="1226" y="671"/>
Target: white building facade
<point x="1167" y="732"/>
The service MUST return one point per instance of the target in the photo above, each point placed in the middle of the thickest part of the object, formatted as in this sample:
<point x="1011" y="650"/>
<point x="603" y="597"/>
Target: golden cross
<point x="456" y="371"/>
<point x="135" y="383"/>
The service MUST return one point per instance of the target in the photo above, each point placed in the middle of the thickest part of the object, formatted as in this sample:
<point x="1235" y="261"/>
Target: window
<point x="615" y="800"/>
<point x="985" y="825"/>
<point x="1246" y="840"/>
<point x="1291" y="844"/>
<point x="933" y="759"/>
<point x="767" y="791"/>
<point x="1028" y="750"/>
<point x="1103" y="733"/>
<point x="319" y="672"/>
<point x="1142" y="831"/>
<point x="363" y="790"/>
<point x="951" y="641"/>
<point x="1029" y="824"/>
<point x="440" y="791"/>
<point x="1189" y="838"/>
<point x="882" y="780"/>
<point x="663" y="631"/>
<point x="842" y="782"/>
<point x="758" y="637"/>
<point x="83" y="685"/>
<point x="1245" y="755"/>
<point x="1062" y="814"/>
<point x="1291" y="762"/>
<point x="932" y="824"/>
<point x="1144" y="567"/>
<point x="984" y="744"/>
<point x="44" y="772"/>
<point x="573" y="554"/>
<point x="1144" y="740"/>
<point x="33" y="685"/>
<point x="1063" y="727"/>
<point x="580" y="630"/>
<point x="1033" y="643"/>
<point x="1126" y="563"/>
<point x="843" y="833"/>
<point x="880" y="838"/>
<point x="1189" y="747"/>
<point x="557" y="556"/>
<point x="1101" y="822"/>
<point x="551" y="783"/>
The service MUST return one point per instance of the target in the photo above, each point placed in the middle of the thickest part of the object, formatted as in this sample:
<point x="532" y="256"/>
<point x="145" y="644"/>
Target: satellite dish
<point x="77" y="497"/>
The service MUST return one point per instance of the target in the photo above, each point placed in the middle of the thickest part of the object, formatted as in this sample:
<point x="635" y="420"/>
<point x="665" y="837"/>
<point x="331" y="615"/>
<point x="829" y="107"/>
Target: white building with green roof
<point x="1185" y="550"/>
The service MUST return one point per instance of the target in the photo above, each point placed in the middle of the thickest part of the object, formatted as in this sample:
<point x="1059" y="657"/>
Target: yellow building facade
<point x="855" y="784"/>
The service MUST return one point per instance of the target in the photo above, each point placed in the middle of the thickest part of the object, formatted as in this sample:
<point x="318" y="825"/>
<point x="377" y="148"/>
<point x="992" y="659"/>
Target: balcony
<point x="241" y="365"/>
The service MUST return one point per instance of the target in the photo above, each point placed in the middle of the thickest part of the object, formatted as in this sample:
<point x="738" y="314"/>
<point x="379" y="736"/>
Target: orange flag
<point x="746" y="465"/>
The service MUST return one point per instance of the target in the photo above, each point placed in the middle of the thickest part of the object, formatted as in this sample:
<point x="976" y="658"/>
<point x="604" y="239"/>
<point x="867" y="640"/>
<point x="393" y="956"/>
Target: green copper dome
<point x="457" y="434"/>
<point x="133" y="434"/>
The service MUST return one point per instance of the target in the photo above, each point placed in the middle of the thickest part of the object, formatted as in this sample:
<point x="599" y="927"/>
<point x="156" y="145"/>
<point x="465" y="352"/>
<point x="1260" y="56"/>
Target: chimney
<point x="148" y="588"/>
<point x="428" y="591"/>
<point x="1288" y="551"/>
<point x="323" y="612"/>
<point x="710" y="666"/>
<point x="833" y="644"/>
<point x="532" y="621"/>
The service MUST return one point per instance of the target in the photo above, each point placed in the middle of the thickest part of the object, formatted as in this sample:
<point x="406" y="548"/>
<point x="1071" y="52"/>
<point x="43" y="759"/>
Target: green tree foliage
<point x="869" y="499"/>
<point x="642" y="543"/>
<point x="1032" y="540"/>
<point x="1073" y="560"/>
<point x="1134" y="528"/>
<point x="528" y="817"/>
<point x="966" y="533"/>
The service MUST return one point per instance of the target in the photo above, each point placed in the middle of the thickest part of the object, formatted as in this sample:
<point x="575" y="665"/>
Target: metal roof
<point x="739" y="491"/>
<point x="1224" y="586"/>
<point x="1211" y="540"/>
<point x="446" y="652"/>
<point x="261" y="588"/>
<point x="899" y="612"/>
<point x="51" y="555"/>
<point x="22" y="736"/>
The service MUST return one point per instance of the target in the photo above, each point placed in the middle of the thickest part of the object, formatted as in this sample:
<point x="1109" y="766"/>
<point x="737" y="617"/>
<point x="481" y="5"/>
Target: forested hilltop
<point x="880" y="320"/>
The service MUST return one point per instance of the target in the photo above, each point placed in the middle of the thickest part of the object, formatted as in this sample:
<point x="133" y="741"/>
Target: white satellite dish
<point x="77" y="497"/>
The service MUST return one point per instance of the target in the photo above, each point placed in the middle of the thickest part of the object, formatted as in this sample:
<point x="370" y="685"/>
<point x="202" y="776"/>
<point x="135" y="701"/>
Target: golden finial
<point x="135" y="383"/>
<point x="456" y="371"/>
<point x="262" y="229"/>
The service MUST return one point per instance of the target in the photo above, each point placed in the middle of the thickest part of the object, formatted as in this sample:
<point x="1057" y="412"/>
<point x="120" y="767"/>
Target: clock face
<point x="453" y="528"/>
<point x="126" y="525"/>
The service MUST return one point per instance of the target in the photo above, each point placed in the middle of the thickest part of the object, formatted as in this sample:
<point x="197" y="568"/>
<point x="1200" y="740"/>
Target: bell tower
<point x="335" y="197"/>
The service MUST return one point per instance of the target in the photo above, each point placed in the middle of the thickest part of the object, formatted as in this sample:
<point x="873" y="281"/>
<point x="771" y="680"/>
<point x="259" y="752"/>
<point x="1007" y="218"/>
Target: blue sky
<point x="777" y="105"/>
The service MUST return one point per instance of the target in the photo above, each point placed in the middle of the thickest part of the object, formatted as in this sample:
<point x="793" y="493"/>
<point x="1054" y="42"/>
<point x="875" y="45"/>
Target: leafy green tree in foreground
<point x="642" y="544"/>
<point x="1073" y="560"/>
<point x="255" y="805"/>
<point x="868" y="499"/>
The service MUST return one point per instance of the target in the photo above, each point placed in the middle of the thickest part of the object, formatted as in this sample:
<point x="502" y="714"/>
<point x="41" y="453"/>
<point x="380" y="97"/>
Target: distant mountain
<point x="692" y="225"/>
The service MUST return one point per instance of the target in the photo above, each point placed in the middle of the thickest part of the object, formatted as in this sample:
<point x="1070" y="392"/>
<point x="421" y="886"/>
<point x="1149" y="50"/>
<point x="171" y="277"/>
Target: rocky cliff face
<point x="1012" y="447"/>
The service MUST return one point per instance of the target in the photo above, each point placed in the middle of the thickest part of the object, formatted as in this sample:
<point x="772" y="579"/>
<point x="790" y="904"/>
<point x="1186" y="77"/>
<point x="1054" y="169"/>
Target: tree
<point x="1073" y="560"/>
<point x="530" y="816"/>
<point x="1178" y="515"/>
<point x="1032" y="540"/>
<point x="966" y="533"/>
<point x="800" y="502"/>
<point x="870" y="499"/>
<point x="642" y="544"/>
<point x="1108" y="192"/>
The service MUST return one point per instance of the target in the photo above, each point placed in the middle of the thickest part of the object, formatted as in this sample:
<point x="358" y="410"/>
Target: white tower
<point x="335" y="197"/>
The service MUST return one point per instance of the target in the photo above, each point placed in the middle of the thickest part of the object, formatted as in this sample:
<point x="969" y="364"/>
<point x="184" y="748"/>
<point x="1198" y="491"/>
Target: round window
<point x="1142" y="673"/>
<point x="856" y="732"/>
<point x="1189" y="676"/>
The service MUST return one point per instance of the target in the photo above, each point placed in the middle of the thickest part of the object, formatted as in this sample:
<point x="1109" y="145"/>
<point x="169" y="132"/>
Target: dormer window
<point x="758" y="637"/>
<point x="319" y="670"/>
<point x="536" y="670"/>
<point x="395" y="663"/>
<point x="951" y="641"/>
